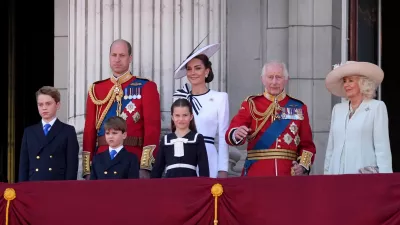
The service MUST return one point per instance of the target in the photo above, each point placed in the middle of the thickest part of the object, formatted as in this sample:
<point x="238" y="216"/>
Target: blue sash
<point x="272" y="133"/>
<point x="136" y="83"/>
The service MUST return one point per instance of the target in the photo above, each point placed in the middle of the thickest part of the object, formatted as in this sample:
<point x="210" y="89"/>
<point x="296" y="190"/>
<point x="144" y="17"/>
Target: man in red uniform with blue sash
<point x="276" y="127"/>
<point x="134" y="99"/>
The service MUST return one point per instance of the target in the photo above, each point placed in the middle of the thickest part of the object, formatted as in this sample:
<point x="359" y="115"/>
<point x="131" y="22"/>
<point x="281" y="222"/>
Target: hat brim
<point x="334" y="80"/>
<point x="208" y="50"/>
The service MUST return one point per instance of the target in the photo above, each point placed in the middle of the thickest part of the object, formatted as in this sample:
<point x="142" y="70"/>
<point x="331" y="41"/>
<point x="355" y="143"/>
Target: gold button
<point x="51" y="156"/>
<point x="105" y="172"/>
<point x="50" y="169"/>
<point x="115" y="172"/>
<point x="38" y="157"/>
<point x="37" y="169"/>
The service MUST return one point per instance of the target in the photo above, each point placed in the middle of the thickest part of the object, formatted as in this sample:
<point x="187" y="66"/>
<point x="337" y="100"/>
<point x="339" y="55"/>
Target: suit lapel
<point x="38" y="130"/>
<point x="118" y="158"/>
<point x="54" y="131"/>
<point x="362" y="108"/>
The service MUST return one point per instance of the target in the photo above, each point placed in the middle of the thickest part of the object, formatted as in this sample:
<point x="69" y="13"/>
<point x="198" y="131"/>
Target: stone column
<point x="314" y="46"/>
<point x="162" y="34"/>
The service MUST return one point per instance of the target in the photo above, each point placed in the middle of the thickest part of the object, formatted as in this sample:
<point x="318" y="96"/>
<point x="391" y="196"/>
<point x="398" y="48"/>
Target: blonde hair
<point x="367" y="87"/>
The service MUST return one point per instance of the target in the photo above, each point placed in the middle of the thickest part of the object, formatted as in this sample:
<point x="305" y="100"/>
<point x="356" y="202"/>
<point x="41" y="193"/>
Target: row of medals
<point x="134" y="93"/>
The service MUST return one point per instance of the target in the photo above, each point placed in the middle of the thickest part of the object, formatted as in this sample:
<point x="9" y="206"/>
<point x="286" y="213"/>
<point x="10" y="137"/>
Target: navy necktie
<point x="112" y="154"/>
<point x="46" y="129"/>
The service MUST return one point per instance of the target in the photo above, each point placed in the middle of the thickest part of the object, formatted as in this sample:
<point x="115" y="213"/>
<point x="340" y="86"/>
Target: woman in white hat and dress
<point x="210" y="108"/>
<point x="359" y="133"/>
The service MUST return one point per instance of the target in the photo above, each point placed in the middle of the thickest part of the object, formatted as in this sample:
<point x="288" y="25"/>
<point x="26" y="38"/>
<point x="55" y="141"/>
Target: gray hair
<point x="367" y="87"/>
<point x="275" y="63"/>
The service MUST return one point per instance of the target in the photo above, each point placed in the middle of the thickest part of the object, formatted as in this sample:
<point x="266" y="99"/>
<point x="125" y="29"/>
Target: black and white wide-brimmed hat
<point x="208" y="50"/>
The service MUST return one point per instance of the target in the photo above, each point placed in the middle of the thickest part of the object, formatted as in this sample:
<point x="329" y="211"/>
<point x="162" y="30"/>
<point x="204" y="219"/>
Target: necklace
<point x="352" y="111"/>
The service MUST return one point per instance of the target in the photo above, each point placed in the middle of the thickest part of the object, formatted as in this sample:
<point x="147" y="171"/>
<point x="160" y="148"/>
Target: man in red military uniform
<point x="134" y="99"/>
<point x="276" y="127"/>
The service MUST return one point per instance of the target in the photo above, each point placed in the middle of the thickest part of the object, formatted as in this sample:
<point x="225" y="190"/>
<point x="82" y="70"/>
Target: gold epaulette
<point x="252" y="96"/>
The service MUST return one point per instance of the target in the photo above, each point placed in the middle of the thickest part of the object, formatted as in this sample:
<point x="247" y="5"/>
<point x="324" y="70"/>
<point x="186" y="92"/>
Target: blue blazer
<point x="125" y="165"/>
<point x="51" y="157"/>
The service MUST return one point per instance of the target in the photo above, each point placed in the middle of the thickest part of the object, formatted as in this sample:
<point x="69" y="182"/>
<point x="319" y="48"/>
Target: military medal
<point x="135" y="95"/>
<point x="139" y="96"/>
<point x="136" y="117"/>
<point x="126" y="94"/>
<point x="131" y="107"/>
<point x="123" y="115"/>
<point x="293" y="128"/>
<point x="130" y="93"/>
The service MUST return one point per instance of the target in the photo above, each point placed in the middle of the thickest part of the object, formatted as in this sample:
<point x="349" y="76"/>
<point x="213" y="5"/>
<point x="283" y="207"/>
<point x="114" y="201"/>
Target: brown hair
<point x="115" y="123"/>
<point x="51" y="91"/>
<point x="182" y="102"/>
<point x="207" y="64"/>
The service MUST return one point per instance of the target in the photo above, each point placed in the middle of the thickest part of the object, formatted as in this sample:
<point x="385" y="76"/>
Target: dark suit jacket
<point x="51" y="157"/>
<point x="125" y="165"/>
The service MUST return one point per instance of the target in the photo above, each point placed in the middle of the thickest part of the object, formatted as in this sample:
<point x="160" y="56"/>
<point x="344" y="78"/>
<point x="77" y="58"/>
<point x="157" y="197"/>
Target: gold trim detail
<point x="305" y="159"/>
<point x="85" y="163"/>
<point x="273" y="98"/>
<point x="115" y="93"/>
<point x="147" y="157"/>
<point x="9" y="195"/>
<point x="216" y="191"/>
<point x="229" y="137"/>
<point x="261" y="118"/>
<point x="271" y="154"/>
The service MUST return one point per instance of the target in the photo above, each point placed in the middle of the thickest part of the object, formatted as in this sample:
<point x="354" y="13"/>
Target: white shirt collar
<point x="51" y="122"/>
<point x="116" y="149"/>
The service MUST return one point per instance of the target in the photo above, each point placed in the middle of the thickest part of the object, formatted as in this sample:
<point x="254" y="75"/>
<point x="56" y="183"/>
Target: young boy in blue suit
<point x="49" y="149"/>
<point x="117" y="162"/>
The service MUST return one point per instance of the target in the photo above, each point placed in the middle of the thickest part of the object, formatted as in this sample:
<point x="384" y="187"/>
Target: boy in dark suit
<point x="49" y="149"/>
<point x="117" y="162"/>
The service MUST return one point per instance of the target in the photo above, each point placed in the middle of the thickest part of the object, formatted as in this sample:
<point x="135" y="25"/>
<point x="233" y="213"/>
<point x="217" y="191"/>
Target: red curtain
<point x="313" y="200"/>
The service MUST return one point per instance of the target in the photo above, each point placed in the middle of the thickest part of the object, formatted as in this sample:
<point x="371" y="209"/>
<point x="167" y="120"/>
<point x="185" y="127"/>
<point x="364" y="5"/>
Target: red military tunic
<point x="132" y="98"/>
<point x="279" y="135"/>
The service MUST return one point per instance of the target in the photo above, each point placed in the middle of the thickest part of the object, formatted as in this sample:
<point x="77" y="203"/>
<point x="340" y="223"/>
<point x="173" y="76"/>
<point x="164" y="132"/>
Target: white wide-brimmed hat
<point x="334" y="80"/>
<point x="208" y="50"/>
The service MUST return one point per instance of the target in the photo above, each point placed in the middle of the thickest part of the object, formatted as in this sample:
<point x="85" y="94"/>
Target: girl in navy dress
<point x="183" y="150"/>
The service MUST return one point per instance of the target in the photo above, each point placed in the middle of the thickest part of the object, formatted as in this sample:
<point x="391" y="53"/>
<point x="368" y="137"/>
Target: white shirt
<point x="211" y="114"/>
<point x="51" y="123"/>
<point x="118" y="149"/>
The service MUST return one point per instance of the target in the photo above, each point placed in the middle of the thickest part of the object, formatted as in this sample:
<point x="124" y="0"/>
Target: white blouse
<point x="211" y="114"/>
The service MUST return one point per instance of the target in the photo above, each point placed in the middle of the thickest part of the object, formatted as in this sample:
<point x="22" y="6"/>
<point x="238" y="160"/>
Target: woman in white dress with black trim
<point x="210" y="108"/>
